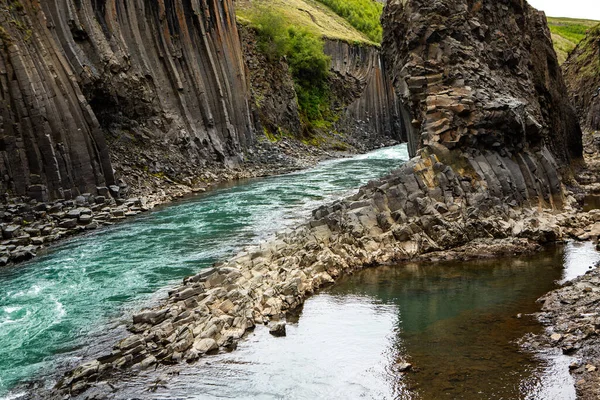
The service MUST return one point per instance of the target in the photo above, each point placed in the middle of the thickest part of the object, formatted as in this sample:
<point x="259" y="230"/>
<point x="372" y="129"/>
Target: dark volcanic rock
<point x="164" y="82"/>
<point x="361" y="93"/>
<point x="482" y="75"/>
<point x="370" y="111"/>
<point x="582" y="74"/>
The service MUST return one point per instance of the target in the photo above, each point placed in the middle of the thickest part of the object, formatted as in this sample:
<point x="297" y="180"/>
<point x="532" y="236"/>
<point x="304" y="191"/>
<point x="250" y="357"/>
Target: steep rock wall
<point x="361" y="95"/>
<point x="372" y="110"/>
<point x="50" y="140"/>
<point x="166" y="79"/>
<point x="483" y="75"/>
<point x="582" y="74"/>
<point x="163" y="80"/>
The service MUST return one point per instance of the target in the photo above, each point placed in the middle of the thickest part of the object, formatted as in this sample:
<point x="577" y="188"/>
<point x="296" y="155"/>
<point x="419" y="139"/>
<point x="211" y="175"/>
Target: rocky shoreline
<point x="212" y="310"/>
<point x="571" y="314"/>
<point x="28" y="226"/>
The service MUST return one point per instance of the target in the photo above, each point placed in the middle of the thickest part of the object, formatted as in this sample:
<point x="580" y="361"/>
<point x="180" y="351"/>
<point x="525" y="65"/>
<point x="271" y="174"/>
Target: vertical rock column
<point x="51" y="145"/>
<point x="375" y="108"/>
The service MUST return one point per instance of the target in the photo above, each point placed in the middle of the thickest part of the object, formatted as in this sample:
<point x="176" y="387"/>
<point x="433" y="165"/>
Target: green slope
<point x="309" y="14"/>
<point x="567" y="33"/>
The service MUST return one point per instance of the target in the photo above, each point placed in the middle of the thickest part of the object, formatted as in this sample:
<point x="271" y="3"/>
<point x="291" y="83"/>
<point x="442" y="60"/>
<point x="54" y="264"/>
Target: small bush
<point x="273" y="35"/>
<point x="310" y="69"/>
<point x="304" y="51"/>
<point x="364" y="15"/>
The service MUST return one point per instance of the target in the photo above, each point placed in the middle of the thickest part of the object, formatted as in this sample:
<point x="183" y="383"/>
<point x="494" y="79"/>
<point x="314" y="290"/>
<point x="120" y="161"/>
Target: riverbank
<point x="571" y="316"/>
<point x="571" y="313"/>
<point x="28" y="226"/>
<point x="401" y="217"/>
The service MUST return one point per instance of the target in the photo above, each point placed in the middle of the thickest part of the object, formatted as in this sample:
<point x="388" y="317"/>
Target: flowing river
<point x="455" y="322"/>
<point x="71" y="302"/>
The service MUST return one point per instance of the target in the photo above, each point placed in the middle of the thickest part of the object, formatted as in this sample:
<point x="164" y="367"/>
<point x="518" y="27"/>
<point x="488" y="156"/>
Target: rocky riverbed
<point x="28" y="226"/>
<point x="212" y="310"/>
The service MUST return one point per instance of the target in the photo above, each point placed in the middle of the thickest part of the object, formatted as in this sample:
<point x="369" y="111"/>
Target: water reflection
<point x="456" y="322"/>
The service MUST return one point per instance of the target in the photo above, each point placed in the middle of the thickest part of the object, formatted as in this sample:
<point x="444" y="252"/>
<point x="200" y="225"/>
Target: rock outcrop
<point x="159" y="85"/>
<point x="480" y="75"/>
<point x="372" y="113"/>
<point x="582" y="74"/>
<point x="51" y="143"/>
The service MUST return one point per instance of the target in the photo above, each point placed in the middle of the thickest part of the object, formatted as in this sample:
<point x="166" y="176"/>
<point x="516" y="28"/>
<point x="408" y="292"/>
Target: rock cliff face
<point x="372" y="112"/>
<point x="582" y="74"/>
<point x="480" y="75"/>
<point x="362" y="96"/>
<point x="163" y="81"/>
<point x="50" y="140"/>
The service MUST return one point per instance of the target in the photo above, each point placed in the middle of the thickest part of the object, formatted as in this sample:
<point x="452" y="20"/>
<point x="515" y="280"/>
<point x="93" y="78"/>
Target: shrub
<point x="273" y="35"/>
<point x="304" y="51"/>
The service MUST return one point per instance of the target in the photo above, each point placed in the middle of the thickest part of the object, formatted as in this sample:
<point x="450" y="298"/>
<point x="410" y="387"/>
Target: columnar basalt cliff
<point x="372" y="113"/>
<point x="164" y="82"/>
<point x="492" y="130"/>
<point x="582" y="74"/>
<point x="50" y="140"/>
<point x="481" y="75"/>
<point x="362" y="96"/>
<point x="165" y="79"/>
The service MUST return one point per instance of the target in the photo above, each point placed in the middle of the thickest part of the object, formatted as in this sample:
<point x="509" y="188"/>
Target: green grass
<point x="567" y="33"/>
<point x="587" y="54"/>
<point x="364" y="15"/>
<point x="308" y="14"/>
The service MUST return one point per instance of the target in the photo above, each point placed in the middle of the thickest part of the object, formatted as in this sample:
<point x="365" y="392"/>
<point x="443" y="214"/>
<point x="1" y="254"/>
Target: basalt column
<point x="479" y="75"/>
<point x="51" y="144"/>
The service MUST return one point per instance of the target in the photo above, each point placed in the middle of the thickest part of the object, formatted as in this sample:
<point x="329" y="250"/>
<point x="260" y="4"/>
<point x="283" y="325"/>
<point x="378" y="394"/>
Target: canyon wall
<point x="479" y="75"/>
<point x="160" y="85"/>
<point x="582" y="74"/>
<point x="372" y="113"/>
<point x="361" y="95"/>
<point x="109" y="93"/>
<point x="50" y="140"/>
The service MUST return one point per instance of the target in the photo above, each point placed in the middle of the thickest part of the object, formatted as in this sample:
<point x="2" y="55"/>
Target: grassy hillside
<point x="567" y="33"/>
<point x="364" y="15"/>
<point x="308" y="14"/>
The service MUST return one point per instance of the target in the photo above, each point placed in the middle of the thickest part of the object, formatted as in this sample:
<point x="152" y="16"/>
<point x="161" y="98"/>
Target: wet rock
<point x="403" y="367"/>
<point x="277" y="329"/>
<point x="11" y="231"/>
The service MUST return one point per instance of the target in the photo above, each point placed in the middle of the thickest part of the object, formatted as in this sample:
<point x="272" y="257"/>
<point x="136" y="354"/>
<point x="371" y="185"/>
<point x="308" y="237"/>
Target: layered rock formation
<point x="582" y="74"/>
<point x="481" y="75"/>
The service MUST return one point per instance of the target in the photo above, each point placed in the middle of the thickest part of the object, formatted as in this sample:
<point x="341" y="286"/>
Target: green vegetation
<point x="303" y="49"/>
<point x="567" y="33"/>
<point x="308" y="14"/>
<point x="364" y="15"/>
<point x="587" y="56"/>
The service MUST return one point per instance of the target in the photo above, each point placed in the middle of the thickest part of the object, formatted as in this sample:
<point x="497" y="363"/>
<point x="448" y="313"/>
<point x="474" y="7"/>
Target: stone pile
<point x="29" y="226"/>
